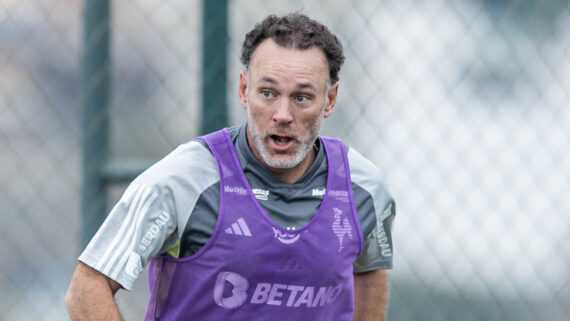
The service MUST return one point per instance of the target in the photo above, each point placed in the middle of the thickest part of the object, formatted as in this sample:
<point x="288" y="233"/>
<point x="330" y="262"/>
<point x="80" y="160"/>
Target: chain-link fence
<point x="464" y="105"/>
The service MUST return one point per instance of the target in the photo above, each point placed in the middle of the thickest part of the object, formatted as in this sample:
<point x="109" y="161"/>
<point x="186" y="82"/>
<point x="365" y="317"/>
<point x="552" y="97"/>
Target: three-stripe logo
<point x="239" y="228"/>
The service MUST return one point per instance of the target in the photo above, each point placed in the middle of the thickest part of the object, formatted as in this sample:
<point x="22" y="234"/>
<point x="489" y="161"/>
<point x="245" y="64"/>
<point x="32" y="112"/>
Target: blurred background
<point x="464" y="105"/>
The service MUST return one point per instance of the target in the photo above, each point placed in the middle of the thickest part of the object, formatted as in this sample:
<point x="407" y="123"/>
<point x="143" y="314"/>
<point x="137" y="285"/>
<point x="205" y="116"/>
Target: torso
<point x="302" y="274"/>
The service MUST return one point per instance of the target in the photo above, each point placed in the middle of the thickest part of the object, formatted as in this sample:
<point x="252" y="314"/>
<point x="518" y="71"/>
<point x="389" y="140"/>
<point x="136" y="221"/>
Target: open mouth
<point x="281" y="140"/>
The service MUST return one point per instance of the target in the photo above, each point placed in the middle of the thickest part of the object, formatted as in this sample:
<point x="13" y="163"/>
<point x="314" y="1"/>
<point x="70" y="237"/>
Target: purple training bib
<point x="253" y="269"/>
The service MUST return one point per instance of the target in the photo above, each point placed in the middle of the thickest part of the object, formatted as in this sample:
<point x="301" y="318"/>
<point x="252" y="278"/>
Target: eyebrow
<point x="305" y="86"/>
<point x="299" y="86"/>
<point x="268" y="80"/>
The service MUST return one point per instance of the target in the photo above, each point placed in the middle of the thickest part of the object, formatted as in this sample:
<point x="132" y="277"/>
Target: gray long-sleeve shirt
<point x="173" y="207"/>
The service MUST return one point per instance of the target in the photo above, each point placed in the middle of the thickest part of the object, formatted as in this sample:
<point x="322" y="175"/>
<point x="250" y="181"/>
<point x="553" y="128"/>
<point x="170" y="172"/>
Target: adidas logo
<point x="238" y="228"/>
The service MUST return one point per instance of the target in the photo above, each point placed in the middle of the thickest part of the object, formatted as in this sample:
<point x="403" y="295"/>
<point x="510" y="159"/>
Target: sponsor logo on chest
<point x="232" y="291"/>
<point x="260" y="194"/>
<point x="285" y="238"/>
<point x="319" y="192"/>
<point x="339" y="195"/>
<point x="236" y="190"/>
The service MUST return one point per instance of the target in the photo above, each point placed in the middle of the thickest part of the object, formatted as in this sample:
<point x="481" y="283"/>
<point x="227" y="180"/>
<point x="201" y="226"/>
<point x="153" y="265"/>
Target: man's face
<point x="286" y="97"/>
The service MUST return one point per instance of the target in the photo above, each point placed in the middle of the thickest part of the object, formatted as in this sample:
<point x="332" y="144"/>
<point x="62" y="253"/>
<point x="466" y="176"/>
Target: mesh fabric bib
<point x="253" y="269"/>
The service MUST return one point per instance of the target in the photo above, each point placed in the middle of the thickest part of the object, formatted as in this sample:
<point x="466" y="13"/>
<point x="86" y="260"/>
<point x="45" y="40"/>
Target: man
<point x="265" y="221"/>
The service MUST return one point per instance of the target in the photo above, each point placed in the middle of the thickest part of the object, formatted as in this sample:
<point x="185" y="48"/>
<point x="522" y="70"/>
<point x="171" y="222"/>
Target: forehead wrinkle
<point x="294" y="69"/>
<point x="304" y="62"/>
<point x="268" y="80"/>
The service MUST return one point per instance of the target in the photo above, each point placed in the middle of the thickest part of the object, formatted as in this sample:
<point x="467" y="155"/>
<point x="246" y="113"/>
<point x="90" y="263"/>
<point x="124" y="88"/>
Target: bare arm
<point x="370" y="295"/>
<point x="91" y="296"/>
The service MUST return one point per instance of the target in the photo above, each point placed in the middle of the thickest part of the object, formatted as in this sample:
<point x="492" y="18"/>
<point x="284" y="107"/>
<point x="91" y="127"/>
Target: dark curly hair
<point x="297" y="31"/>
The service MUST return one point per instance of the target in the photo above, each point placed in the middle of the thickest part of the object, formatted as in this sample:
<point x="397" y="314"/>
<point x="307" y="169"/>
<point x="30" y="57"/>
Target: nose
<point x="282" y="114"/>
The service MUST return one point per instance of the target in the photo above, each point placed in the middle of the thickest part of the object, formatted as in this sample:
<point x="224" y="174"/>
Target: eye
<point x="266" y="93"/>
<point x="301" y="98"/>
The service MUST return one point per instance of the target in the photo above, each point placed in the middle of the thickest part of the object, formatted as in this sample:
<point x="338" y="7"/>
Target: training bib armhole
<point x="174" y="251"/>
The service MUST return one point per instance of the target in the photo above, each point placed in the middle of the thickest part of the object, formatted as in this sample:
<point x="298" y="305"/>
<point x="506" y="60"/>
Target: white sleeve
<point x="151" y="214"/>
<point x="378" y="246"/>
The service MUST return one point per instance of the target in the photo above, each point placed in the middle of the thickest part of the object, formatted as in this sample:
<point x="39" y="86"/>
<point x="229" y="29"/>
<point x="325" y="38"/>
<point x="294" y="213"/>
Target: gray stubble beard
<point x="273" y="160"/>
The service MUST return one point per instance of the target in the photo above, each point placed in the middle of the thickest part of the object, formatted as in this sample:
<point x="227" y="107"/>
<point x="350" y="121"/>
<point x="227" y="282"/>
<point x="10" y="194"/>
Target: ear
<point x="331" y="100"/>
<point x="242" y="89"/>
